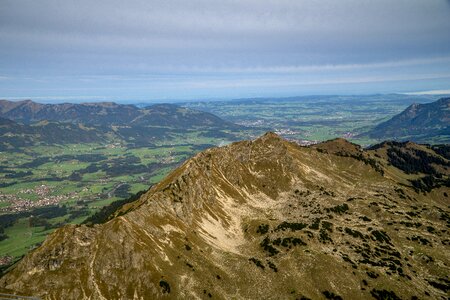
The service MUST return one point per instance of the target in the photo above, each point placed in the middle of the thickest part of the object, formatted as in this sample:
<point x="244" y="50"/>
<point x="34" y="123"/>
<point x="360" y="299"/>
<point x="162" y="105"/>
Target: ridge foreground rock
<point x="262" y="219"/>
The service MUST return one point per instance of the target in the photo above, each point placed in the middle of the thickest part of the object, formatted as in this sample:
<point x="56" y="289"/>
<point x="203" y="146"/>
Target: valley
<point x="60" y="182"/>
<point x="313" y="119"/>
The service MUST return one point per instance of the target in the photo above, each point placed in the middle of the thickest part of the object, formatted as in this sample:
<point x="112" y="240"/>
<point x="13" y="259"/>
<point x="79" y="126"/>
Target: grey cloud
<point x="129" y="38"/>
<point x="259" y="22"/>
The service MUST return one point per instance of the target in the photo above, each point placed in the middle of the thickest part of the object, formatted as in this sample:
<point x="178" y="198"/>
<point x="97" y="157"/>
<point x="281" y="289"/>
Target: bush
<point x="257" y="262"/>
<point x="262" y="229"/>
<point x="292" y="226"/>
<point x="354" y="233"/>
<point x="265" y="244"/>
<point x="384" y="295"/>
<point x="331" y="295"/>
<point x="339" y="209"/>
<point x="165" y="286"/>
<point x="381" y="236"/>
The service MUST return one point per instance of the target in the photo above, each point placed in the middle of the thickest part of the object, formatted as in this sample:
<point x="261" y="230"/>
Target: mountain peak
<point x="272" y="139"/>
<point x="270" y="136"/>
<point x="339" y="146"/>
<point x="413" y="106"/>
<point x="255" y="219"/>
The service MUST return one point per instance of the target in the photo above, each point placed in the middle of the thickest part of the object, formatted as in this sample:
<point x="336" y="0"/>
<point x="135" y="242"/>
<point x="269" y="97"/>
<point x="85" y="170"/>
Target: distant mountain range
<point x="109" y="113"/>
<point x="24" y="123"/>
<point x="419" y="123"/>
<point x="264" y="219"/>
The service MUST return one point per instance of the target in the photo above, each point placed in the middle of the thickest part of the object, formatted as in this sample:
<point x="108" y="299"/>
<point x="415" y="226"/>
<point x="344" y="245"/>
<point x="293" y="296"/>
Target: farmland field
<point x="314" y="118"/>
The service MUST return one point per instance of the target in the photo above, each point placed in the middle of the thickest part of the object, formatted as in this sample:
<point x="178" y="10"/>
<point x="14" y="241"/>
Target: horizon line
<point x="92" y="99"/>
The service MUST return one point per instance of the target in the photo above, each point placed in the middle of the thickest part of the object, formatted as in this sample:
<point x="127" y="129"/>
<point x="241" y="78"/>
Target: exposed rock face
<point x="263" y="219"/>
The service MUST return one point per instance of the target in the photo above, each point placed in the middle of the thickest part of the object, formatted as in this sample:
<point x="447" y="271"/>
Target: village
<point x="15" y="203"/>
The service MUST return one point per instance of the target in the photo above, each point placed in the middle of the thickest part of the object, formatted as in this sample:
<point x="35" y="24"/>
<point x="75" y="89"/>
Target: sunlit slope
<point x="263" y="219"/>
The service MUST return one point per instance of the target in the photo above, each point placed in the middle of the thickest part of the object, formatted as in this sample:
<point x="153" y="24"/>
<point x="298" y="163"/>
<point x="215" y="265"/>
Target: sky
<point x="152" y="51"/>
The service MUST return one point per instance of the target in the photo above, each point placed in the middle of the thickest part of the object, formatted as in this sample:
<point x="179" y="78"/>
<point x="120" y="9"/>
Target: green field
<point x="313" y="118"/>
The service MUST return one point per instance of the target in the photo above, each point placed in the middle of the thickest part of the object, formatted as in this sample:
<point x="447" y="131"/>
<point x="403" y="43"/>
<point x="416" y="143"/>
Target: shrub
<point x="257" y="262"/>
<point x="165" y="286"/>
<point x="265" y="244"/>
<point x="354" y="233"/>
<point x="331" y="295"/>
<point x="315" y="224"/>
<point x="384" y="295"/>
<point x="381" y="236"/>
<point x="339" y="209"/>
<point x="272" y="266"/>
<point x="263" y="229"/>
<point x="292" y="226"/>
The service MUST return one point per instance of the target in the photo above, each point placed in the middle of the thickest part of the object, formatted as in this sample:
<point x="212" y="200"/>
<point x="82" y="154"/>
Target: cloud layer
<point x="188" y="49"/>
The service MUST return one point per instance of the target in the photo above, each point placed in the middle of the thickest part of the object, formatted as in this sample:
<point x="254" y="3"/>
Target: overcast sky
<point x="166" y="50"/>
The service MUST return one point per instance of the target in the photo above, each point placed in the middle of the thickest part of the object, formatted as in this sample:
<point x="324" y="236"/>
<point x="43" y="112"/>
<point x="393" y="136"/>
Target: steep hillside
<point x="108" y="113"/>
<point x="180" y="117"/>
<point x="419" y="122"/>
<point x="107" y="121"/>
<point x="14" y="136"/>
<point x="262" y="219"/>
<point x="102" y="113"/>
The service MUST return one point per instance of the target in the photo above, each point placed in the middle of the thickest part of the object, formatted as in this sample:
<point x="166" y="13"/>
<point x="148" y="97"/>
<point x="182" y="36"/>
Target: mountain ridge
<point x="32" y="123"/>
<point x="418" y="122"/>
<point x="301" y="222"/>
<point x="107" y="114"/>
